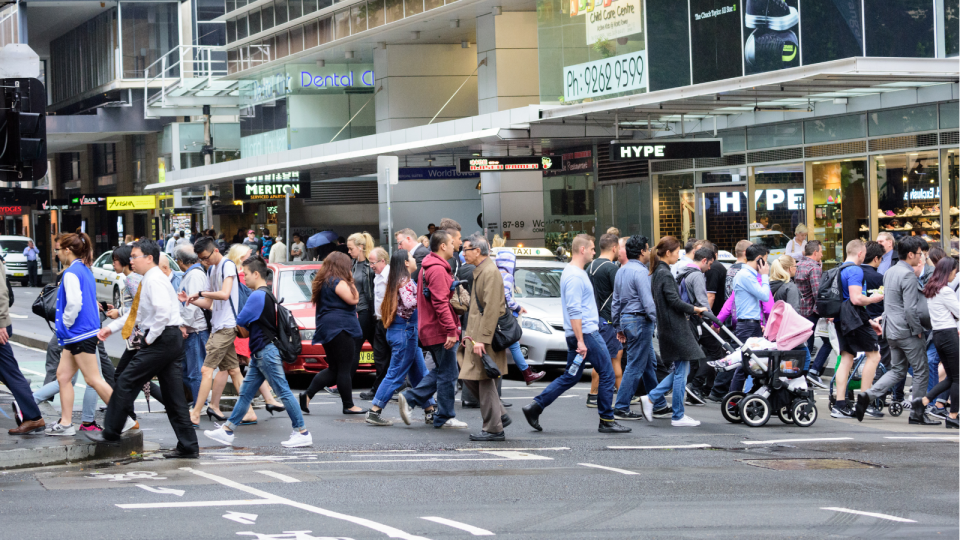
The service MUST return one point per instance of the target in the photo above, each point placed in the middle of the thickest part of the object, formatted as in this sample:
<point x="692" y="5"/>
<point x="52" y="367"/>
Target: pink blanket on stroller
<point x="787" y="328"/>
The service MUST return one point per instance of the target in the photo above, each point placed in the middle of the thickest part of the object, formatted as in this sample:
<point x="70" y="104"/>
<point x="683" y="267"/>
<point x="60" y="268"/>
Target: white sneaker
<point x="646" y="406"/>
<point x="298" y="439"/>
<point x="60" y="430"/>
<point x="686" y="421"/>
<point x="405" y="411"/>
<point x="453" y="423"/>
<point x="129" y="424"/>
<point x="220" y="435"/>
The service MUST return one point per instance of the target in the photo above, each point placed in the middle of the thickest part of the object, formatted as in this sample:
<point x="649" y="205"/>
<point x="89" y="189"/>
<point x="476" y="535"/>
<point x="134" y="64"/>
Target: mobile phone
<point x="103" y="306"/>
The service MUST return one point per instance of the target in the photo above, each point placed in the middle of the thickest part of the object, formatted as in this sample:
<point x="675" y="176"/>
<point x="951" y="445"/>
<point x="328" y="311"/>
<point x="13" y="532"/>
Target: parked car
<point x="12" y="249"/>
<point x="292" y="284"/>
<point x="537" y="289"/>
<point x="109" y="282"/>
<point x="775" y="241"/>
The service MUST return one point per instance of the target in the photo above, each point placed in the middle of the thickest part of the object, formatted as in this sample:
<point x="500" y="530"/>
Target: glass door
<point x="722" y="216"/>
<point x="840" y="206"/>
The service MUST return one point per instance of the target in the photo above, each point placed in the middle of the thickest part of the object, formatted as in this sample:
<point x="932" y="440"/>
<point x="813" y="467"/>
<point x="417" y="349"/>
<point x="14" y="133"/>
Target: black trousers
<point x="381" y="355"/>
<point x="161" y="359"/>
<point x="947" y="343"/>
<point x="32" y="272"/>
<point x="155" y="391"/>
<point x="341" y="363"/>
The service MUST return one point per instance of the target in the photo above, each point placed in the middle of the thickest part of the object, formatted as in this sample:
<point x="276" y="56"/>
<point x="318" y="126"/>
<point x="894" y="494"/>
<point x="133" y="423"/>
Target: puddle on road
<point x="809" y="464"/>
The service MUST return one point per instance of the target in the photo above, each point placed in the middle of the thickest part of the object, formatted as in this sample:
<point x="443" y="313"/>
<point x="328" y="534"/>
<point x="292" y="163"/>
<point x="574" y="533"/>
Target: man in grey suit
<point x="902" y="328"/>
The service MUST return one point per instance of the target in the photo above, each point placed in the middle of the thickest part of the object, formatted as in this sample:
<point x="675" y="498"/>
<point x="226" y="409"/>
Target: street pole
<point x="389" y="218"/>
<point x="289" y="244"/>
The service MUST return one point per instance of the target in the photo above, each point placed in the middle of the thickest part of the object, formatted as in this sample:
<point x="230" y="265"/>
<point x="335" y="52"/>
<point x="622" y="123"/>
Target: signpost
<point x="388" y="169"/>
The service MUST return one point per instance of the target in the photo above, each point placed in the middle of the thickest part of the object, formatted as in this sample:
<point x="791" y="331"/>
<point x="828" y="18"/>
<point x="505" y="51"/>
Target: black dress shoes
<point x="611" y="426"/>
<point x="484" y="436"/>
<point x="505" y="420"/>
<point x="97" y="437"/>
<point x="923" y="420"/>
<point x="179" y="454"/>
<point x="532" y="412"/>
<point x="949" y="423"/>
<point x="470" y="404"/>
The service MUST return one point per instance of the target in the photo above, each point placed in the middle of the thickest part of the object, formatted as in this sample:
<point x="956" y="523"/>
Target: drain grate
<point x="808" y="464"/>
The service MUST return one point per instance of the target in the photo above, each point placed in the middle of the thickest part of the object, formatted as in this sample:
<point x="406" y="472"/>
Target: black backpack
<point x="288" y="333"/>
<point x="829" y="296"/>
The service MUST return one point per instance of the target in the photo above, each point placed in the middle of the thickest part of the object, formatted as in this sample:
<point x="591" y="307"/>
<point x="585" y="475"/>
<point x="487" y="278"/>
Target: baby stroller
<point x="895" y="408"/>
<point x="778" y="375"/>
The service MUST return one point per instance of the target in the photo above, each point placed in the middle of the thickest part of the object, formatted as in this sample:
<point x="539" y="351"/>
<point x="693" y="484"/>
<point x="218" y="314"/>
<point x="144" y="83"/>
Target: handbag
<point x="507" y="333"/>
<point x="489" y="366"/>
<point x="45" y="306"/>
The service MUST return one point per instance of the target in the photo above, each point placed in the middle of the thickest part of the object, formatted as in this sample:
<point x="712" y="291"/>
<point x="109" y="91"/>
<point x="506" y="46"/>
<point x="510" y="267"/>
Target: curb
<point x="80" y="450"/>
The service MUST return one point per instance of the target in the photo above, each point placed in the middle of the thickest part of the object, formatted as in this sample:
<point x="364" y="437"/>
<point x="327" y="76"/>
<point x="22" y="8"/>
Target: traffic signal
<point x="23" y="131"/>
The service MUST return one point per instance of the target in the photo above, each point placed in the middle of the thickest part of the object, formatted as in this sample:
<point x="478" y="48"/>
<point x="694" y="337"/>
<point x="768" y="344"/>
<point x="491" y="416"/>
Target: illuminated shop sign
<point x="271" y="186"/>
<point x="11" y="210"/>
<point x="922" y="194"/>
<point x="88" y="200"/>
<point x="775" y="199"/>
<point x="511" y="164"/>
<point x="335" y="80"/>
<point x="136" y="202"/>
<point x="666" y="150"/>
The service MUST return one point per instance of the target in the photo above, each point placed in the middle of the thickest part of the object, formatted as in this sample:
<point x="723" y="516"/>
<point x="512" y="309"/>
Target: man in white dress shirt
<point x="156" y="312"/>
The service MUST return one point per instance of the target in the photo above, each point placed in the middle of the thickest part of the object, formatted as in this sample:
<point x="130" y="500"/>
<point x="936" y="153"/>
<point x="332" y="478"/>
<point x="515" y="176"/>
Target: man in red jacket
<point x="439" y="333"/>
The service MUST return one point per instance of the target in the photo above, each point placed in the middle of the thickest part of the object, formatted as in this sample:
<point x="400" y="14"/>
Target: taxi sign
<point x="528" y="251"/>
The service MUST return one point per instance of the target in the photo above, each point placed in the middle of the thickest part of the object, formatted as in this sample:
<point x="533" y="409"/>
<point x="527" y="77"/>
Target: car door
<point x="104" y="275"/>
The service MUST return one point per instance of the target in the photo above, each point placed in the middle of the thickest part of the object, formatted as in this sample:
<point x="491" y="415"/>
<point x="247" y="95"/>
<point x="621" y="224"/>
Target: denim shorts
<point x="609" y="335"/>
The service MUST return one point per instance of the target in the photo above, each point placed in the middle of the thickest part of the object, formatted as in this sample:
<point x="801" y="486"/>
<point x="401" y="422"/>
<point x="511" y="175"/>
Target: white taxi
<point x="109" y="281"/>
<point x="11" y="247"/>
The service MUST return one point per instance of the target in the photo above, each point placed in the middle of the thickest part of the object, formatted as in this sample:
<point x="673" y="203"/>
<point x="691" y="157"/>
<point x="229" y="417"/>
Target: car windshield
<point x="537" y="282"/>
<point x="295" y="285"/>
<point x="770" y="241"/>
<point x="13" y="246"/>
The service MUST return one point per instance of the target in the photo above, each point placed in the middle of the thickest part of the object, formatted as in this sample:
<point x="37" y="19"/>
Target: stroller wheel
<point x="730" y="407"/>
<point x="786" y="414"/>
<point x="895" y="408"/>
<point x="755" y="410"/>
<point x="804" y="413"/>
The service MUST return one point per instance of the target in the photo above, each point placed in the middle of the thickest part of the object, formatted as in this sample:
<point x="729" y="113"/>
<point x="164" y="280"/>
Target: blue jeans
<point x="641" y="360"/>
<point x="90" y="396"/>
<point x="745" y="330"/>
<point x="599" y="358"/>
<point x="441" y="380"/>
<point x="196" y="352"/>
<point x="933" y="363"/>
<point x="265" y="365"/>
<point x="518" y="358"/>
<point x="406" y="358"/>
<point x="677" y="380"/>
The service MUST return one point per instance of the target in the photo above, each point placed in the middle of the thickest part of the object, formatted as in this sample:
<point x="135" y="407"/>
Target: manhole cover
<point x="808" y="464"/>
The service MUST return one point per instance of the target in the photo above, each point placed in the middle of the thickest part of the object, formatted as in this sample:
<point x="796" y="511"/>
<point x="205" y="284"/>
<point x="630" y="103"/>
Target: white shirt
<point x="223" y="313"/>
<point x="157" y="309"/>
<point x="944" y="309"/>
<point x="794" y="249"/>
<point x="380" y="288"/>
<point x="278" y="253"/>
<point x="170" y="245"/>
<point x="301" y="247"/>
<point x="193" y="282"/>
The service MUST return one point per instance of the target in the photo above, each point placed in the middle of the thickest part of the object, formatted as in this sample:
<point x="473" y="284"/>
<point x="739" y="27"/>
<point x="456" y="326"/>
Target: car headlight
<point x="535" y="324"/>
<point x="307" y="335"/>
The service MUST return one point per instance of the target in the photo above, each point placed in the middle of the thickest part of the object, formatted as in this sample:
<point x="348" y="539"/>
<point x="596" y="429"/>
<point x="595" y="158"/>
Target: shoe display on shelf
<point x="935" y="224"/>
<point x="889" y="213"/>
<point x="954" y="211"/>
<point x="864" y="228"/>
<point x="908" y="226"/>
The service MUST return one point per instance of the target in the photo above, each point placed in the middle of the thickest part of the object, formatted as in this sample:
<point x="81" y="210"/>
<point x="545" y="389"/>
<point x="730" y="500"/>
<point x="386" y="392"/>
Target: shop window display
<point x="952" y="170"/>
<point x="779" y="201"/>
<point x="840" y="207"/>
<point x="724" y="216"/>
<point x="908" y="194"/>
<point x="676" y="206"/>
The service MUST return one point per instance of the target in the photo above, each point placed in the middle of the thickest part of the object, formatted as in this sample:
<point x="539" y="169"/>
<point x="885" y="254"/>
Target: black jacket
<point x="677" y="341"/>
<point x="366" y="286"/>
<point x="418" y="255"/>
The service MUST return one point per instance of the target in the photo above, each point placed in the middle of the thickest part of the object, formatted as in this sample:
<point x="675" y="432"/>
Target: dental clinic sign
<point x="333" y="81"/>
<point x="330" y="79"/>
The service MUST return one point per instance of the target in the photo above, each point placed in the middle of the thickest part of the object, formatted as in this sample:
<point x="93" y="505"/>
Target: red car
<point x="292" y="284"/>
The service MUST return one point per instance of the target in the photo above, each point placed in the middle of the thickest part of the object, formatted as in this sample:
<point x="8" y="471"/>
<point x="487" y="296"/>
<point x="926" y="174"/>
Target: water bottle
<point x="575" y="366"/>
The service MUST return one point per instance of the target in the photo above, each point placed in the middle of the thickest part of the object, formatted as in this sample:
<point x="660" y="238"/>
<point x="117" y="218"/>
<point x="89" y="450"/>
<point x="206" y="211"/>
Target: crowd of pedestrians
<point x="448" y="300"/>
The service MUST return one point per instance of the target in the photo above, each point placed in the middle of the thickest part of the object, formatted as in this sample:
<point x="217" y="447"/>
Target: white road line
<point x="678" y="446"/>
<point x="379" y="527"/>
<point x="427" y="460"/>
<point x="476" y="531"/>
<point x="528" y="397"/>
<point x="621" y="471"/>
<point x="515" y="449"/>
<point x="775" y="441"/>
<point x="953" y="439"/>
<point x="278" y="476"/>
<point x="870" y="514"/>
<point x="194" y="504"/>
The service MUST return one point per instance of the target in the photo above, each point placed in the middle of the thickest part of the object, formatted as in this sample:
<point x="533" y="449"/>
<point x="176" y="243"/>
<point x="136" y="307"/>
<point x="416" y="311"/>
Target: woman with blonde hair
<point x="359" y="246"/>
<point x="797" y="243"/>
<point x="782" y="287"/>
<point x="498" y="241"/>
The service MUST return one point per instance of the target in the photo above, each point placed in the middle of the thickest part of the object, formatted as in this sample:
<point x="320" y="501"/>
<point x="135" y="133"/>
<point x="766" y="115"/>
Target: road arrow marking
<point x="162" y="490"/>
<point x="246" y="519"/>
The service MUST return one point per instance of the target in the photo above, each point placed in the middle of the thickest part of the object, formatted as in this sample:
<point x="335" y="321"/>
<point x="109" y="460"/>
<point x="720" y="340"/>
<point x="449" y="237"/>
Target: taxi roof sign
<point x="528" y="251"/>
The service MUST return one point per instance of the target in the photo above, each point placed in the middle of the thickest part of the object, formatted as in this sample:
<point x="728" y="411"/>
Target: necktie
<point x="132" y="317"/>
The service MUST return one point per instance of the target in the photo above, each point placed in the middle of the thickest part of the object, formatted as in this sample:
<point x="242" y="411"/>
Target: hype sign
<point x="334" y="80"/>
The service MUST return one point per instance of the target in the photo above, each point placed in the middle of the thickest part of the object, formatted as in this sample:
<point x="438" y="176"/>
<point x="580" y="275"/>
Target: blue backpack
<point x="682" y="284"/>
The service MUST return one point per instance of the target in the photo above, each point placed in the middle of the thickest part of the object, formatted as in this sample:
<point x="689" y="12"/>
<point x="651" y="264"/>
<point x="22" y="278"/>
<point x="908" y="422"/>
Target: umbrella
<point x="321" y="238"/>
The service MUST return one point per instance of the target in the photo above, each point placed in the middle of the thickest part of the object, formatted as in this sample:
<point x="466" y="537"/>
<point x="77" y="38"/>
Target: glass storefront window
<point x="675" y="202"/>
<point x="952" y="170"/>
<point x="568" y="209"/>
<point x="625" y="206"/>
<point x="770" y="136"/>
<point x="908" y="120"/>
<point x="838" y="128"/>
<point x="908" y="194"/>
<point x="780" y="203"/>
<point x="840" y="206"/>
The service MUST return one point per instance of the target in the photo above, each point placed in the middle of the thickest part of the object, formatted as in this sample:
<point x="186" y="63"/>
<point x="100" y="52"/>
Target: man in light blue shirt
<point x="31" y="252"/>
<point x="751" y="287"/>
<point x="581" y="325"/>
<point x="635" y="317"/>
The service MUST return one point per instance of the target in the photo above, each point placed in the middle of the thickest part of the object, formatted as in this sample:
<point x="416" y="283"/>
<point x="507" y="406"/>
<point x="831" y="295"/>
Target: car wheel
<point x="116" y="296"/>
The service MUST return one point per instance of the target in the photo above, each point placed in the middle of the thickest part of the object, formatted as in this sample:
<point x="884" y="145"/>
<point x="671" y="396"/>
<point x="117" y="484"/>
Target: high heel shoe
<point x="275" y="408"/>
<point x="212" y="415"/>
<point x="303" y="404"/>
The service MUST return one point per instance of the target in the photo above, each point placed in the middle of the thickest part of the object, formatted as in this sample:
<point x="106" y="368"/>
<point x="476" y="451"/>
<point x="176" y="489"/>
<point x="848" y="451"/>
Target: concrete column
<point x="513" y="203"/>
<point x="511" y="76"/>
<point x="414" y="90"/>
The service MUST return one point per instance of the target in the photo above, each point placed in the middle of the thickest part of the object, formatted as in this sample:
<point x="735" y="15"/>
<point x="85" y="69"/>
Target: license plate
<point x="19" y="274"/>
<point x="366" y="357"/>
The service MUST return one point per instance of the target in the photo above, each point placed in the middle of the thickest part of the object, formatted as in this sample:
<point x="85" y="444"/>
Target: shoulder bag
<point x="508" y="330"/>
